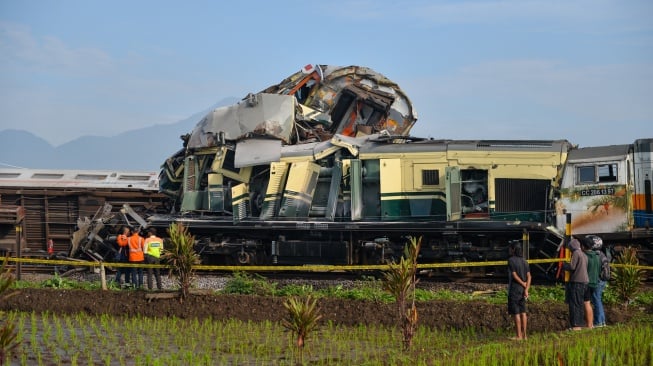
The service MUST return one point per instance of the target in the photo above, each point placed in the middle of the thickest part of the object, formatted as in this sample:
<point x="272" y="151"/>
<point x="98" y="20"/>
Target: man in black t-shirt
<point x="519" y="281"/>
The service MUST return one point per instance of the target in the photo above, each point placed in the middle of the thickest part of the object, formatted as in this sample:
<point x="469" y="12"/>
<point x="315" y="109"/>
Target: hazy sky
<point x="516" y="69"/>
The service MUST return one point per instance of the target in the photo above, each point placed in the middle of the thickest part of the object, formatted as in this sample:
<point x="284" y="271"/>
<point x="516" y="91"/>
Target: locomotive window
<point x="597" y="174"/>
<point x="608" y="173"/>
<point x="586" y="174"/>
<point x="430" y="177"/>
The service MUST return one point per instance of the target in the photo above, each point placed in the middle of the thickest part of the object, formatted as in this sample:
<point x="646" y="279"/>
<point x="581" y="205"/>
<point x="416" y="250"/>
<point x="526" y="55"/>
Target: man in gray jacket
<point x="577" y="285"/>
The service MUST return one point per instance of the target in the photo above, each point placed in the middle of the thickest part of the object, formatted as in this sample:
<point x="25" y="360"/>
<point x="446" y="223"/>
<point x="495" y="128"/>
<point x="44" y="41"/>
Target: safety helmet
<point x="596" y="243"/>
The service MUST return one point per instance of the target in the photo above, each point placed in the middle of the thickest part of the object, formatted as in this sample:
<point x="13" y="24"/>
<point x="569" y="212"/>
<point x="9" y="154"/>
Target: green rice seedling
<point x="9" y="340"/>
<point x="47" y="330"/>
<point x="72" y="334"/>
<point x="33" y="333"/>
<point x="59" y="337"/>
<point x="233" y="342"/>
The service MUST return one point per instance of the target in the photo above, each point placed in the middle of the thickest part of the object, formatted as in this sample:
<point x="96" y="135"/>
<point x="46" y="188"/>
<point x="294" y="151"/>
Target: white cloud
<point x="60" y="92"/>
<point x="21" y="49"/>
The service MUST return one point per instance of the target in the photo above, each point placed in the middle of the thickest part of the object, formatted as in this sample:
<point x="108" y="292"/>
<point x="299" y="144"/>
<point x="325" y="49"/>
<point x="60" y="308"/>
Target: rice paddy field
<point x="81" y="339"/>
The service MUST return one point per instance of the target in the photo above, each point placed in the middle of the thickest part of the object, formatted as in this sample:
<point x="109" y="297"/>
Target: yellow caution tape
<point x="302" y="268"/>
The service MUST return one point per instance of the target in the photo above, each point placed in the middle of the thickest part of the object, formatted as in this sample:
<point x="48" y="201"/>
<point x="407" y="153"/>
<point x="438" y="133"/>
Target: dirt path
<point x="435" y="314"/>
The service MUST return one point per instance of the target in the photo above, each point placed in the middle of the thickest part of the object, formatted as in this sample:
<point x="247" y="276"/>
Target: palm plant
<point x="302" y="319"/>
<point x="400" y="280"/>
<point x="181" y="257"/>
<point x="626" y="278"/>
<point x="8" y="335"/>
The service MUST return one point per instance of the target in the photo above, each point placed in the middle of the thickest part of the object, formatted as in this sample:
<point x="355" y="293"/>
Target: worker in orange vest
<point x="123" y="240"/>
<point x="136" y="256"/>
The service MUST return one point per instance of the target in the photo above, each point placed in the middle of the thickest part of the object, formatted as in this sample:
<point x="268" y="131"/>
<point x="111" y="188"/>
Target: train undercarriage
<point x="306" y="243"/>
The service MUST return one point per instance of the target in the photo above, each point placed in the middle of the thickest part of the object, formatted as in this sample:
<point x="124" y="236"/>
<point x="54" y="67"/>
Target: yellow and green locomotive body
<point x="464" y="180"/>
<point x="356" y="200"/>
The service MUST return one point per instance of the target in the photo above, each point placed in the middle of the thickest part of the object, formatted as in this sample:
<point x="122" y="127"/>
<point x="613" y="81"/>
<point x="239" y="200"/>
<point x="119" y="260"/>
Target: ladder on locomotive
<point x="551" y="245"/>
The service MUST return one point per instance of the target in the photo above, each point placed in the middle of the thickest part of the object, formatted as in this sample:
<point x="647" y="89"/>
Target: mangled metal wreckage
<point x="237" y="160"/>
<point x="310" y="115"/>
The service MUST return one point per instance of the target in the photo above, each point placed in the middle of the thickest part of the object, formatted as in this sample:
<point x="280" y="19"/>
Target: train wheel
<point x="243" y="258"/>
<point x="459" y="269"/>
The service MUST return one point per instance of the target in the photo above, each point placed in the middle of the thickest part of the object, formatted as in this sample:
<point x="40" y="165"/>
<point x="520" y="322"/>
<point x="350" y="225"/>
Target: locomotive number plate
<point x="597" y="191"/>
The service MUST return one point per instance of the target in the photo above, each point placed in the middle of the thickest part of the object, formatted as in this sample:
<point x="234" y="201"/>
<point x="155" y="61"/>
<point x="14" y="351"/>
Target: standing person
<point x="136" y="256"/>
<point x="519" y="281"/>
<point x="593" y="268"/>
<point x="604" y="276"/>
<point x="577" y="284"/>
<point x="122" y="240"/>
<point x="153" y="247"/>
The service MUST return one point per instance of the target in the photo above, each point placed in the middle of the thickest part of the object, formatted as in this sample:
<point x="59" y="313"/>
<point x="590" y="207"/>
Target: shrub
<point x="58" y="282"/>
<point x="245" y="284"/>
<point x="626" y="278"/>
<point x="181" y="257"/>
<point x="400" y="280"/>
<point x="302" y="319"/>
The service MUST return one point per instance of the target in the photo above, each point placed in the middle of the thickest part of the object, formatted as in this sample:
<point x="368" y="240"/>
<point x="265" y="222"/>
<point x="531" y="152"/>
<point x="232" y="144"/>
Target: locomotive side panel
<point x="643" y="195"/>
<point x="509" y="180"/>
<point x="412" y="189"/>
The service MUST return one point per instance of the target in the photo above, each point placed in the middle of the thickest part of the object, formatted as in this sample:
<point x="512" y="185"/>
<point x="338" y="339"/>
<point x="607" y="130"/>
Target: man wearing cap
<point x="597" y="295"/>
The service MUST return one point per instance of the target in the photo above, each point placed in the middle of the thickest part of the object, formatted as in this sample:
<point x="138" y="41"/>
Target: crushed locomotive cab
<point x="310" y="106"/>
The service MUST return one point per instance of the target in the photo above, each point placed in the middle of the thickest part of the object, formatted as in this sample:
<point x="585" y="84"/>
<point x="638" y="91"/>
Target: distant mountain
<point x="18" y="147"/>
<point x="142" y="149"/>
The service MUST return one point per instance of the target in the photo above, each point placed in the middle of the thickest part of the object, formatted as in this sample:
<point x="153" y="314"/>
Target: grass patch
<point x="369" y="289"/>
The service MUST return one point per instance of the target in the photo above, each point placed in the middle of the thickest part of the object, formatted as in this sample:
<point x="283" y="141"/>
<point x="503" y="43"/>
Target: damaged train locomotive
<point x="320" y="168"/>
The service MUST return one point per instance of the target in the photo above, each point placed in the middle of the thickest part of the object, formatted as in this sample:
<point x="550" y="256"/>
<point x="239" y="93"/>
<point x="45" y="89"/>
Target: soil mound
<point x="543" y="317"/>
